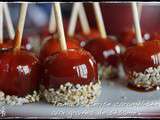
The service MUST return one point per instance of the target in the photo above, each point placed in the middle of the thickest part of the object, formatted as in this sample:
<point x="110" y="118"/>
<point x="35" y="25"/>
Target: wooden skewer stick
<point x="139" y="7"/>
<point x="99" y="20"/>
<point x="60" y="28"/>
<point x="83" y="20"/>
<point x="52" y="21"/>
<point x="1" y="23"/>
<point x="73" y="19"/>
<point x="139" y="11"/>
<point x="78" y="10"/>
<point x="9" y="22"/>
<point x="20" y="26"/>
<point x="136" y="23"/>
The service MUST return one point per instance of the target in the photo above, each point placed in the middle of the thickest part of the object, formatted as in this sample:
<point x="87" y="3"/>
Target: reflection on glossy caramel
<point x="6" y="45"/>
<point x="140" y="57"/>
<point x="81" y="70"/>
<point x="75" y="66"/>
<point x="19" y="72"/>
<point x="105" y="51"/>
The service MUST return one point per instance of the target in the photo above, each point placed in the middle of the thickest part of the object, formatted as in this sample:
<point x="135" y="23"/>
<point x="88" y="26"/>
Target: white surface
<point x="116" y="100"/>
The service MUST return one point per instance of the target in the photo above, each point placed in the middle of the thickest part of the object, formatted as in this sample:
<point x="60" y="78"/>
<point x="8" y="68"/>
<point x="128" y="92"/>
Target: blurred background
<point x="117" y="16"/>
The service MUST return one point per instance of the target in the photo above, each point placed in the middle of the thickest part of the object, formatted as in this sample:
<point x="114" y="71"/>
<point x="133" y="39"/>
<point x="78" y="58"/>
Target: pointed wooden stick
<point x="52" y="21"/>
<point x="1" y="23"/>
<point x="78" y="10"/>
<point x="136" y="23"/>
<point x="9" y="23"/>
<point x="20" y="26"/>
<point x="99" y="20"/>
<point x="60" y="28"/>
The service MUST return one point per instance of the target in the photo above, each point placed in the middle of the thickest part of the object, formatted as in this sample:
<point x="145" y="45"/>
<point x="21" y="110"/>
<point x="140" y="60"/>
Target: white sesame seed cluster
<point x="15" y="100"/>
<point x="150" y="78"/>
<point x="72" y="95"/>
<point x="106" y="72"/>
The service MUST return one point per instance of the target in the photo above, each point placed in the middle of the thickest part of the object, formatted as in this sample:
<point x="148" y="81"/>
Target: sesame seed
<point x="106" y="72"/>
<point x="75" y="96"/>
<point x="148" y="79"/>
<point x="15" y="100"/>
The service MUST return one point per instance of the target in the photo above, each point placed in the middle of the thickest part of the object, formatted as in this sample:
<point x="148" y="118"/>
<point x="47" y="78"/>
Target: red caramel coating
<point x="128" y="38"/>
<point x="76" y="66"/>
<point x="92" y="35"/>
<point x="19" y="72"/>
<point x="44" y="33"/>
<point x="142" y="56"/>
<point x="52" y="46"/>
<point x="103" y="50"/>
<point x="155" y="36"/>
<point x="6" y="45"/>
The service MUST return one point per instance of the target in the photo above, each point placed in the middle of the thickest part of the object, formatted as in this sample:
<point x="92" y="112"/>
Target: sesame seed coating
<point x="148" y="79"/>
<point x="72" y="95"/>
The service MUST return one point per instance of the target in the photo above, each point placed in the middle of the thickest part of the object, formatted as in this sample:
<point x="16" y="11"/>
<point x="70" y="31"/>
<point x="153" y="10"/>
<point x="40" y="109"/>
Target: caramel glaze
<point x="128" y="38"/>
<point x="142" y="56"/>
<point x="76" y="66"/>
<point x="85" y="37"/>
<point x="52" y="46"/>
<point x="19" y="72"/>
<point x="6" y="45"/>
<point x="104" y="51"/>
<point x="155" y="36"/>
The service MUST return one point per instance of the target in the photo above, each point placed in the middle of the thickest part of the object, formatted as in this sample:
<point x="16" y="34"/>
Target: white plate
<point x="116" y="100"/>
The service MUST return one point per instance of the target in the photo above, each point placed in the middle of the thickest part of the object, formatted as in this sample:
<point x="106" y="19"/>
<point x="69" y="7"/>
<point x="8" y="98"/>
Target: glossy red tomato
<point x="142" y="56"/>
<point x="52" y="46"/>
<point x="92" y="35"/>
<point x="155" y="36"/>
<point x="128" y="38"/>
<point x="19" y="72"/>
<point x="76" y="66"/>
<point x="26" y="44"/>
<point x="6" y="45"/>
<point x="105" y="51"/>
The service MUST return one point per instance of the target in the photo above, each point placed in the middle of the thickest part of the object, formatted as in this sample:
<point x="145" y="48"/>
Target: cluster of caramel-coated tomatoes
<point x="22" y="71"/>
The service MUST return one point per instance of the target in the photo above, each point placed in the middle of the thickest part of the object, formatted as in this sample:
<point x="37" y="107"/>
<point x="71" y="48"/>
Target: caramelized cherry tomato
<point x="105" y="51"/>
<point x="52" y="46"/>
<point x="142" y="56"/>
<point x="76" y="66"/>
<point x="128" y="38"/>
<point x="19" y="72"/>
